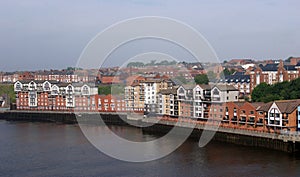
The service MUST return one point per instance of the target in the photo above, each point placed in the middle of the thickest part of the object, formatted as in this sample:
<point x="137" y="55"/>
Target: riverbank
<point x="283" y="142"/>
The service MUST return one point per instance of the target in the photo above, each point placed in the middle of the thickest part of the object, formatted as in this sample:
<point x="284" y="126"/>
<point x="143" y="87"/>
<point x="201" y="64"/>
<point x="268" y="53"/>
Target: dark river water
<point x="48" y="149"/>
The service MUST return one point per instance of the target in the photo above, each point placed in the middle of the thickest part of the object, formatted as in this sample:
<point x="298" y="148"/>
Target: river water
<point x="49" y="149"/>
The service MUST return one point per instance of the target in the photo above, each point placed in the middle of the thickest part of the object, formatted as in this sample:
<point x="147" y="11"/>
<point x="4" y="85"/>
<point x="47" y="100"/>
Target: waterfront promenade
<point x="219" y="127"/>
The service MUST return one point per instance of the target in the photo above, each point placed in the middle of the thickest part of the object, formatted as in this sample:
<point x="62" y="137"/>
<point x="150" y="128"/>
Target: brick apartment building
<point x="49" y="95"/>
<point x="110" y="103"/>
<point x="272" y="116"/>
<point x="273" y="73"/>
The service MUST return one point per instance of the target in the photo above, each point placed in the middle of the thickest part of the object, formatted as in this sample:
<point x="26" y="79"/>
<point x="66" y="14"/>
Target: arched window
<point x="181" y="90"/>
<point x="18" y="86"/>
<point x="85" y="90"/>
<point x="55" y="90"/>
<point x="47" y="86"/>
<point x="32" y="86"/>
<point x="69" y="89"/>
<point x="216" y="92"/>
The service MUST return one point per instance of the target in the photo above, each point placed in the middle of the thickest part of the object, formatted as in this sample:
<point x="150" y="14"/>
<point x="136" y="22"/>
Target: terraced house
<point x="270" y="117"/>
<point x="284" y="115"/>
<point x="51" y="95"/>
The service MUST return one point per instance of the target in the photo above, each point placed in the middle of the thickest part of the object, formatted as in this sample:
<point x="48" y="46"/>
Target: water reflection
<point x="45" y="149"/>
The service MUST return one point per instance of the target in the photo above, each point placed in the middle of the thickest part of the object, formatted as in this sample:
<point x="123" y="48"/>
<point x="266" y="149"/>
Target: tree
<point x="117" y="89"/>
<point x="8" y="91"/>
<point x="227" y="72"/>
<point x="135" y="64"/>
<point x="104" y="90"/>
<point x="259" y="92"/>
<point x="201" y="79"/>
<point x="279" y="91"/>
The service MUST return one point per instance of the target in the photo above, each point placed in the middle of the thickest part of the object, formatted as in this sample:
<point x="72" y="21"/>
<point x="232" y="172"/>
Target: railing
<point x="281" y="135"/>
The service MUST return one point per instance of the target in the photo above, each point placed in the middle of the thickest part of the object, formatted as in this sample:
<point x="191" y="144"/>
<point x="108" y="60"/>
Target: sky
<point x="51" y="34"/>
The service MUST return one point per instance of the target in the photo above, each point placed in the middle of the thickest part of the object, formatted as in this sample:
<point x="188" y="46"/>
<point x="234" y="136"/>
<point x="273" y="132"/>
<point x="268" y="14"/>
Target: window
<point x="18" y="86"/>
<point x="274" y="116"/>
<point x="46" y="86"/>
<point x="216" y="92"/>
<point x="85" y="90"/>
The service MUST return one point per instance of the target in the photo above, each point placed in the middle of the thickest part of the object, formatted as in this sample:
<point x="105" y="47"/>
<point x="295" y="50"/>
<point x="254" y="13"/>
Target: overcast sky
<point x="44" y="34"/>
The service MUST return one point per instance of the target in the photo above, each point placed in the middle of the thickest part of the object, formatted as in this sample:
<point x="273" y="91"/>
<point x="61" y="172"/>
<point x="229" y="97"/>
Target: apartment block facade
<point x="270" y="117"/>
<point x="46" y="95"/>
<point x="273" y="73"/>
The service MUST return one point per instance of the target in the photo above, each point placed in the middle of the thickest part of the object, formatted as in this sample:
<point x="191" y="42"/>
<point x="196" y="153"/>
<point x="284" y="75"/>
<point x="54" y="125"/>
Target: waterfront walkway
<point x="219" y="127"/>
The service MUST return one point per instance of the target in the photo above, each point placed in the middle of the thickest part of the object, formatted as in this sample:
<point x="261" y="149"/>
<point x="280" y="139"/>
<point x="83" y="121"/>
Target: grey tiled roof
<point x="269" y="67"/>
<point x="236" y="79"/>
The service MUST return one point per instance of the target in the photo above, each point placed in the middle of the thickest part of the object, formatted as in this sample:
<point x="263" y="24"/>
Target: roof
<point x="188" y="86"/>
<point x="274" y="67"/>
<point x="264" y="107"/>
<point x="287" y="106"/>
<point x="37" y="81"/>
<point x="257" y="104"/>
<point x="110" y="79"/>
<point x="269" y="67"/>
<point x="135" y="84"/>
<point x="289" y="67"/>
<point x="225" y="87"/>
<point x="205" y="86"/>
<point x="238" y="73"/>
<point x="60" y="84"/>
<point x="236" y="78"/>
<point x="239" y="103"/>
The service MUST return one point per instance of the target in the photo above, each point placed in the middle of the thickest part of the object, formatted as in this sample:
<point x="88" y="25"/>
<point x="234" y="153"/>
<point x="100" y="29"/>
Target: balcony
<point x="251" y="120"/>
<point x="234" y="119"/>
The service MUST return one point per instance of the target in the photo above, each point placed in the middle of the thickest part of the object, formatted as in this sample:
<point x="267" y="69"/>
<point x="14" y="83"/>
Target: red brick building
<point x="110" y="103"/>
<point x="273" y="73"/>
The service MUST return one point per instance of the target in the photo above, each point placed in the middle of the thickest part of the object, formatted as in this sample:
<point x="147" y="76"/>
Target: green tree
<point x="135" y="64"/>
<point x="104" y="90"/>
<point x="7" y="91"/>
<point x="201" y="79"/>
<point x="111" y="89"/>
<point x="260" y="91"/>
<point x="279" y="91"/>
<point x="227" y="72"/>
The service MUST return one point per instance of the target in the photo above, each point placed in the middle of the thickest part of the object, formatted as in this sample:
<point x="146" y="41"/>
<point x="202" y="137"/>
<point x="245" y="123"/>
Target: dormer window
<point x="18" y="86"/>
<point x="216" y="92"/>
<point x="32" y="86"/>
<point x="47" y="86"/>
<point x="85" y="90"/>
<point x="55" y="90"/>
<point x="69" y="89"/>
<point x="181" y="90"/>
